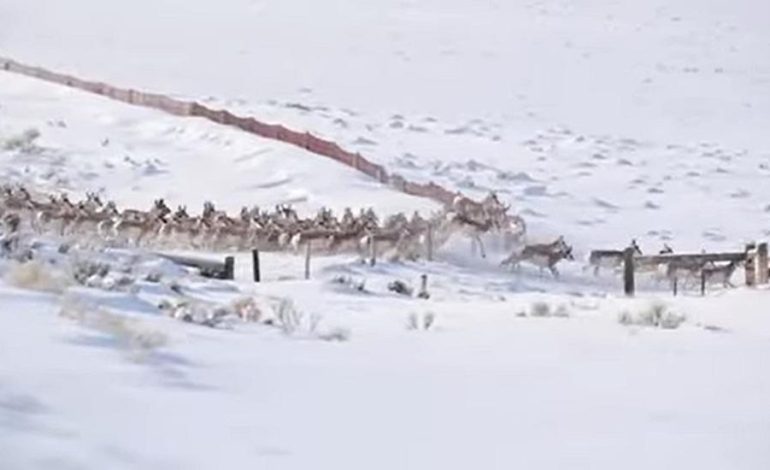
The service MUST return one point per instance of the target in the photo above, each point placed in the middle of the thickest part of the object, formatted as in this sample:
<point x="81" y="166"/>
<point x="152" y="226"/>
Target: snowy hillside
<point x="601" y="120"/>
<point x="598" y="120"/>
<point x="133" y="156"/>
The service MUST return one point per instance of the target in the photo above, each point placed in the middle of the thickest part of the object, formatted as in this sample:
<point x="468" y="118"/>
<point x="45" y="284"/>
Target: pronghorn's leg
<point x="596" y="270"/>
<point x="481" y="246"/>
<point x="554" y="272"/>
<point x="295" y="241"/>
<point x="37" y="222"/>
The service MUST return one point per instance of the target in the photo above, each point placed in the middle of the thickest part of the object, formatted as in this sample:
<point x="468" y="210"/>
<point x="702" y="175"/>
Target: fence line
<point x="177" y="107"/>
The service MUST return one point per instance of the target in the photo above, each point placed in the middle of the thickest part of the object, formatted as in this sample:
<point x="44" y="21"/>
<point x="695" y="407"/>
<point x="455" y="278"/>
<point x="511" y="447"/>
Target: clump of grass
<point x="416" y="321"/>
<point x="38" y="276"/>
<point x="339" y="334"/>
<point x="350" y="283"/>
<point x="401" y="288"/>
<point x="542" y="309"/>
<point x="655" y="315"/>
<point x="129" y="334"/>
<point x="24" y="142"/>
<point x="288" y="317"/>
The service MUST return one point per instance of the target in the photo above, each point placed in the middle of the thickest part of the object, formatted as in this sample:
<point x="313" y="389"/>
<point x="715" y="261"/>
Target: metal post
<point x="308" y="249"/>
<point x="255" y="264"/>
<point x="702" y="282"/>
<point x="675" y="285"/>
<point x="628" y="272"/>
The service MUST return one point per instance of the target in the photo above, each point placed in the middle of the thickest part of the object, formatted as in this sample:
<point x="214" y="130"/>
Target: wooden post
<point x="308" y="250"/>
<point x="628" y="272"/>
<point x="702" y="282"/>
<point x="430" y="242"/>
<point x="229" y="273"/>
<point x="676" y="285"/>
<point x="750" y="266"/>
<point x="372" y="251"/>
<point x="255" y="264"/>
<point x="762" y="264"/>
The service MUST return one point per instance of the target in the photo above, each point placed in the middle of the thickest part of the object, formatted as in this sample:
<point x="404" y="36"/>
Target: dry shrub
<point x="34" y="275"/>
<point x="336" y="334"/>
<point x="129" y="334"/>
<point x="289" y="318"/>
<point x="24" y="142"/>
<point x="540" y="309"/>
<point x="655" y="315"/>
<point x="416" y="321"/>
<point x="247" y="309"/>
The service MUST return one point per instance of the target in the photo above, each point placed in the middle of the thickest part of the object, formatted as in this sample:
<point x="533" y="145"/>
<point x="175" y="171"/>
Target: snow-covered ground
<point x="599" y="120"/>
<point x="490" y="384"/>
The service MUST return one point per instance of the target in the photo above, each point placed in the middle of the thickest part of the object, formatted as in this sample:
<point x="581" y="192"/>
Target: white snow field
<point x="133" y="155"/>
<point x="599" y="120"/>
<point x="603" y="120"/>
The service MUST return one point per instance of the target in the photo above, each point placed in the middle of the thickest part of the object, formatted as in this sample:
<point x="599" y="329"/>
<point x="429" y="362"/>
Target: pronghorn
<point x="145" y="222"/>
<point x="720" y="274"/>
<point x="468" y="226"/>
<point x="610" y="258"/>
<point x="545" y="255"/>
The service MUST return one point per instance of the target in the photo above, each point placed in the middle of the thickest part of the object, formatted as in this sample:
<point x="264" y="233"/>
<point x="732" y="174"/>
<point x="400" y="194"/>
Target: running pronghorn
<point x="720" y="274"/>
<point x="145" y="222"/>
<point x="611" y="259"/>
<point x="543" y="255"/>
<point x="94" y="215"/>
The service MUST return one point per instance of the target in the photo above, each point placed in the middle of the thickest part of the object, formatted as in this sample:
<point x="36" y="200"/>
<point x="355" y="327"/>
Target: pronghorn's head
<point x="181" y="212"/>
<point x="563" y="249"/>
<point x="635" y="247"/>
<point x="111" y="207"/>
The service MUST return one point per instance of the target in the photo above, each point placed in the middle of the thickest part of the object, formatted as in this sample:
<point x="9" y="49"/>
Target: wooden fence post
<point x="372" y="251"/>
<point x="628" y="272"/>
<point x="750" y="265"/>
<point x="675" y="285"/>
<point x="255" y="264"/>
<point x="702" y="282"/>
<point x="229" y="268"/>
<point x="423" y="294"/>
<point x="762" y="264"/>
<point x="308" y="249"/>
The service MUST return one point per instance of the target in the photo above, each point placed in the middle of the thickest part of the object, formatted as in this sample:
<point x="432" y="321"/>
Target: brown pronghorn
<point x="544" y="255"/>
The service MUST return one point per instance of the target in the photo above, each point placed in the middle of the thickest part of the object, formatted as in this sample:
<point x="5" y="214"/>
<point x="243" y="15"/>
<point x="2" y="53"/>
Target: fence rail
<point x="206" y="267"/>
<point x="754" y="258"/>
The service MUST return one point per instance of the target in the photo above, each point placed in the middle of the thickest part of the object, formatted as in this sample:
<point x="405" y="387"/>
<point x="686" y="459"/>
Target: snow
<point x="484" y="386"/>
<point x="134" y="156"/>
<point x="599" y="120"/>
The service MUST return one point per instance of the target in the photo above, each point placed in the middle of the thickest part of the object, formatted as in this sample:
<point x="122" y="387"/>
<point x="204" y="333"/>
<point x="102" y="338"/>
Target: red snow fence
<point x="251" y="125"/>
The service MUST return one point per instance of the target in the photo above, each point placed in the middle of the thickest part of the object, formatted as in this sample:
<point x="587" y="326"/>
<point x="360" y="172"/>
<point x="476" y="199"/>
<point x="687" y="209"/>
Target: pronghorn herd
<point x="397" y="237"/>
<point x="278" y="229"/>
